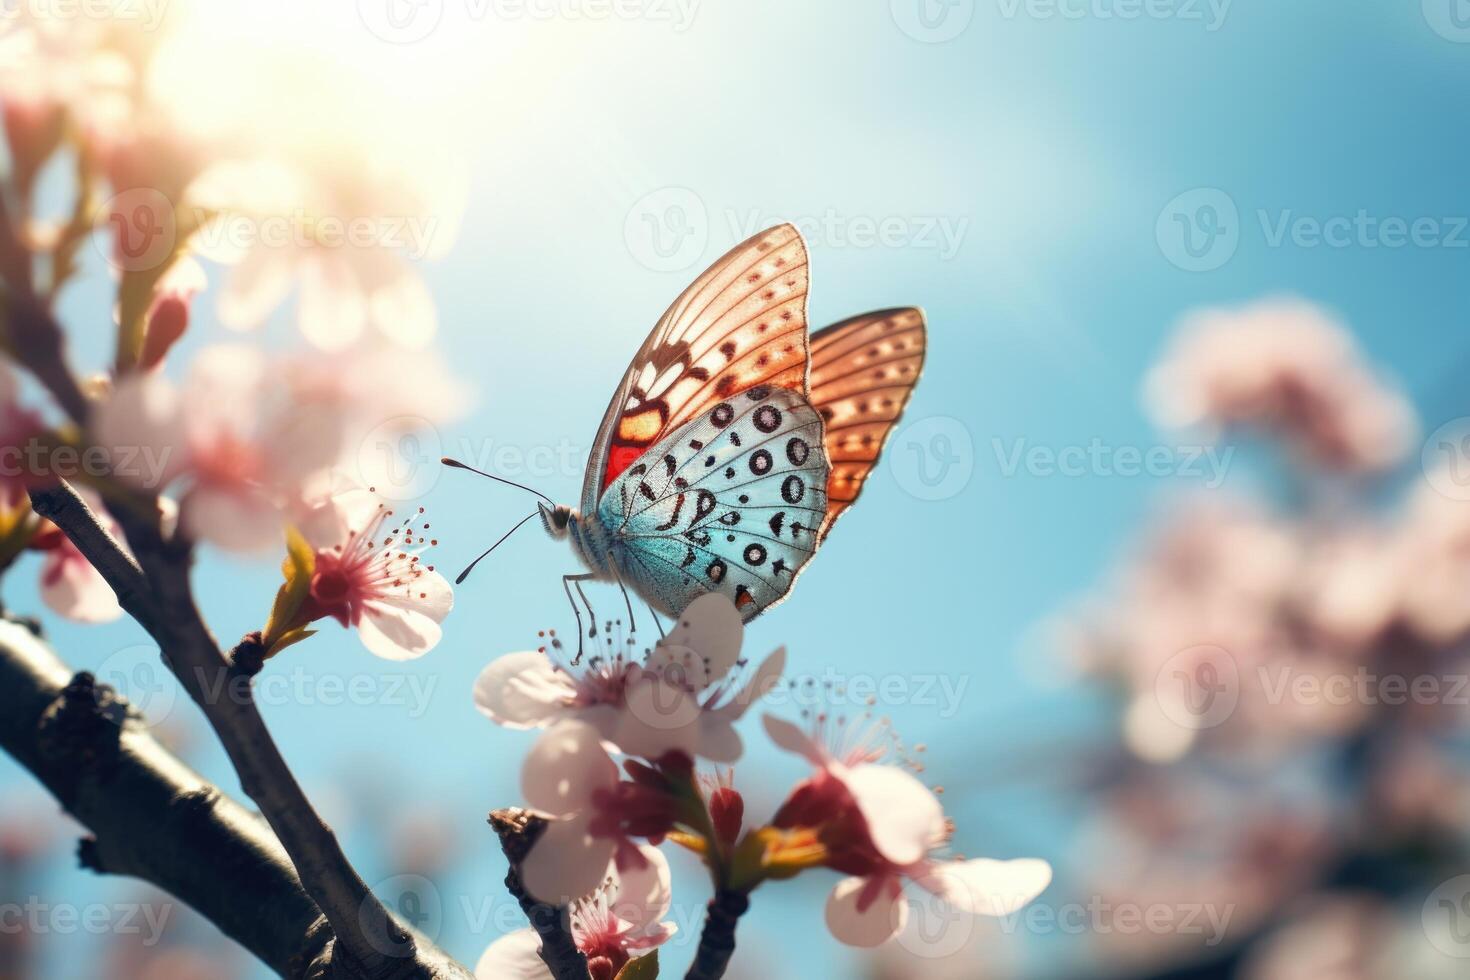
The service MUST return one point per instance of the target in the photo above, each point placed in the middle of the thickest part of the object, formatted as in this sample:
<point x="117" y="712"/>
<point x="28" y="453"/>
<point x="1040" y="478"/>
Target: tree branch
<point x="152" y="816"/>
<point x="518" y="831"/>
<point x="717" y="941"/>
<point x="369" y="941"/>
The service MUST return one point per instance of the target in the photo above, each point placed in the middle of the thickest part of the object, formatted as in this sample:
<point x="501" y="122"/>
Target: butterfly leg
<point x="618" y="576"/>
<point x="654" y="613"/>
<point x="567" y="581"/>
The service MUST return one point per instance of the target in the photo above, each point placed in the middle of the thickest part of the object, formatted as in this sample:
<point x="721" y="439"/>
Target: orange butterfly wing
<point x="863" y="371"/>
<point x="742" y="323"/>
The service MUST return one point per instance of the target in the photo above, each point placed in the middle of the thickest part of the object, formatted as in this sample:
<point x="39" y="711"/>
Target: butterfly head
<point x="555" y="519"/>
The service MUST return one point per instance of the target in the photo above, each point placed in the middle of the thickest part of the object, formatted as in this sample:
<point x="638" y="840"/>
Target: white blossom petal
<point x="904" y="817"/>
<point x="983" y="886"/>
<point x="395" y="631"/>
<point x="514" y="956"/>
<point x="711" y="626"/>
<point x="565" y="767"/>
<point x="566" y="862"/>
<point x="523" y="690"/>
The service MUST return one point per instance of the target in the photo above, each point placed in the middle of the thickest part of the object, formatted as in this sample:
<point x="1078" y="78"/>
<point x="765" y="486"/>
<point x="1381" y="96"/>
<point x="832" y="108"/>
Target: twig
<point x="370" y="943"/>
<point x="518" y="830"/>
<point x="717" y="941"/>
<point x="40" y="345"/>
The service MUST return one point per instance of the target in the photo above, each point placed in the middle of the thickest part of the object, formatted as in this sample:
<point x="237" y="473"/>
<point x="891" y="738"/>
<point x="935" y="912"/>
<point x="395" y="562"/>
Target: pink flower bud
<point x="727" y="811"/>
<point x="166" y="324"/>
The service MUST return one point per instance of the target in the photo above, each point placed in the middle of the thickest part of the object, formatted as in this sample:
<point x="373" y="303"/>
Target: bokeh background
<point x="1063" y="186"/>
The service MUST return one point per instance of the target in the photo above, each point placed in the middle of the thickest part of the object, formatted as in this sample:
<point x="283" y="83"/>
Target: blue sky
<point x="1034" y="175"/>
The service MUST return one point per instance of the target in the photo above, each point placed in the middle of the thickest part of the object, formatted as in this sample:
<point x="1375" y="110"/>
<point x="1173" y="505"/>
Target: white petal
<point x="566" y="863"/>
<point x="719" y="741"/>
<point x="565" y="767"/>
<point x="766" y="677"/>
<point x="333" y="310"/>
<point x="982" y="886"/>
<point x="429" y="595"/>
<point x="344" y="513"/>
<point x="904" y="817"/>
<point x="255" y="287"/>
<point x="642" y="896"/>
<point x="873" y="926"/>
<point x="712" y="627"/>
<point x="403" y="310"/>
<point x="514" y="956"/>
<point x="793" y="739"/>
<point x="234" y="518"/>
<point x="658" y="717"/>
<point x="522" y="690"/>
<point x="395" y="632"/>
<point x="142" y="421"/>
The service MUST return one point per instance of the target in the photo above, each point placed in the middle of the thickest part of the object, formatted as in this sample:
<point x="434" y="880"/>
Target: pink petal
<point x="514" y="956"/>
<point x="141" y="424"/>
<point x="330" y="522"/>
<point x="566" y="862"/>
<point x="904" y="817"/>
<point x="393" y="631"/>
<point x="986" y="887"/>
<point x="858" y="917"/>
<point x="793" y="739"/>
<point x="523" y="690"/>
<point x="403" y="310"/>
<point x="71" y="587"/>
<point x="236" y="518"/>
<point x="565" y="767"/>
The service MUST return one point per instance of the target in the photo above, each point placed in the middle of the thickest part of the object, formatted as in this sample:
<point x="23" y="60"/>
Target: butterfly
<point x="735" y="441"/>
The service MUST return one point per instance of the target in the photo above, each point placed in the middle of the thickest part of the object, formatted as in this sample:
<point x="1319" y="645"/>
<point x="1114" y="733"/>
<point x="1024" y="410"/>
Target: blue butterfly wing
<point x="730" y="502"/>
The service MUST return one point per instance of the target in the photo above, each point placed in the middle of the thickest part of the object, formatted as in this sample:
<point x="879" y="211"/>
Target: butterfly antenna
<point x="498" y="479"/>
<point x="471" y="567"/>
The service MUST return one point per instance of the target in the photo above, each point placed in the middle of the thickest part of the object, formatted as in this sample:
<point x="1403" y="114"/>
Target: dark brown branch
<point x="717" y="941"/>
<point x="518" y="830"/>
<point x="40" y="346"/>
<point x="152" y="816"/>
<point x="370" y="942"/>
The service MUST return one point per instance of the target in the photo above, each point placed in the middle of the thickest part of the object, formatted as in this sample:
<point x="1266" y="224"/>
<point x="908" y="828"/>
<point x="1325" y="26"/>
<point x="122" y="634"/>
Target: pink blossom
<point x="70" y="586"/>
<point x="168" y="314"/>
<point x="620" y="920"/>
<point x="244" y="447"/>
<point x="594" y="816"/>
<point x="682" y="698"/>
<point x="1286" y="367"/>
<point x="372" y="578"/>
<point x="883" y="827"/>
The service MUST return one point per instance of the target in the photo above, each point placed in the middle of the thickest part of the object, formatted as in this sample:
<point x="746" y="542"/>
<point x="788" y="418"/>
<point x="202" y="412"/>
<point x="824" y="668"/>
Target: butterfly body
<point x="735" y="440"/>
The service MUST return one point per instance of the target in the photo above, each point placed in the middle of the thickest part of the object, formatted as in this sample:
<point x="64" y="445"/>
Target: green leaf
<point x="642" y="968"/>
<point x="298" y="568"/>
<point x="135" y="292"/>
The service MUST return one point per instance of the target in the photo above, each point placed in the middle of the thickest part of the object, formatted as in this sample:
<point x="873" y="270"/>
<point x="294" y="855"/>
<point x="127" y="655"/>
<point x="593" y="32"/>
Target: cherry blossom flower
<point x="233" y="433"/>
<point x="682" y="698"/>
<point x="621" y="920"/>
<point x="1283" y="366"/>
<point x="371" y="578"/>
<point x="70" y="586"/>
<point x="594" y="816"/>
<point x="881" y="826"/>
